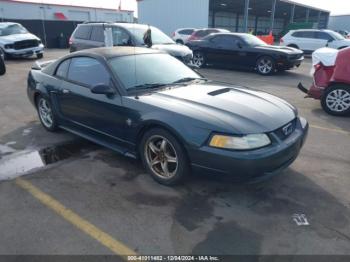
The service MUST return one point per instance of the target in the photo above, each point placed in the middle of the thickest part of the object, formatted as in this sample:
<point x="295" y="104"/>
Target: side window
<point x="63" y="69"/>
<point x="88" y="71"/>
<point x="304" y="34"/>
<point x="121" y="37"/>
<point x="186" y="32"/>
<point x="83" y="32"/>
<point x="201" y="33"/>
<point x="97" y="34"/>
<point x="224" y="41"/>
<point x="323" y="36"/>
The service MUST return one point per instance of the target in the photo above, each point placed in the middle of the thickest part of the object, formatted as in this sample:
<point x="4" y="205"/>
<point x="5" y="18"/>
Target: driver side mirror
<point x="329" y="41"/>
<point x="103" y="89"/>
<point x="239" y="45"/>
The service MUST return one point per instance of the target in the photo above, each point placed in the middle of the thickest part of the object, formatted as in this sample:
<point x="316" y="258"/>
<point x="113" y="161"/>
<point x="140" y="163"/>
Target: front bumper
<point x="185" y="59"/>
<point x="25" y="52"/>
<point x="255" y="164"/>
<point x="314" y="91"/>
<point x="289" y="63"/>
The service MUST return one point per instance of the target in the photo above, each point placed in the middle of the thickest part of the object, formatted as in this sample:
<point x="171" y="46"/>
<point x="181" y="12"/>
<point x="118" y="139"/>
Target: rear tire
<point x="336" y="100"/>
<point x="265" y="65"/>
<point x="164" y="157"/>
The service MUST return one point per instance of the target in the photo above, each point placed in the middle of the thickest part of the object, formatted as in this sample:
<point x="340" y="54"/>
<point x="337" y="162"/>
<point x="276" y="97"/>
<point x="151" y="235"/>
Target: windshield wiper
<point x="189" y="79"/>
<point x="147" y="86"/>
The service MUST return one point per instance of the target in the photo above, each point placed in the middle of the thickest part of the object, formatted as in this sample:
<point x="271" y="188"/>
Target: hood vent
<point x="220" y="91"/>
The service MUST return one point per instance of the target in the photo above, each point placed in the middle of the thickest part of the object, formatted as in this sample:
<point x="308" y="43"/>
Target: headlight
<point x="240" y="142"/>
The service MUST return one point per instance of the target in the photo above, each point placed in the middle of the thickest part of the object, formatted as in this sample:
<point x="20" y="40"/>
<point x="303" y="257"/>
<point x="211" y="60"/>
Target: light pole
<point x="43" y="17"/>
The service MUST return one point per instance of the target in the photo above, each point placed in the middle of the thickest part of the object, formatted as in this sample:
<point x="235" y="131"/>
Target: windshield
<point x="12" y="30"/>
<point x="252" y="40"/>
<point x="158" y="37"/>
<point x="150" y="69"/>
<point x="337" y="36"/>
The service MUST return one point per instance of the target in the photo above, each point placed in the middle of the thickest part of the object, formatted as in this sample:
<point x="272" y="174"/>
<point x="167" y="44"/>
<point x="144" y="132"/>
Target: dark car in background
<point x="201" y="33"/>
<point x="144" y="103"/>
<point x="92" y="35"/>
<point x="244" y="51"/>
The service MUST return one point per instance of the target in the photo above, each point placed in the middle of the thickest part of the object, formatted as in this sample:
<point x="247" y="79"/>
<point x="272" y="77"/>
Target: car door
<point x="82" y="38"/>
<point x="121" y="37"/>
<point x="222" y="50"/>
<point x="321" y="39"/>
<point x="85" y="111"/>
<point x="304" y="40"/>
<point x="324" y="39"/>
<point x="97" y="38"/>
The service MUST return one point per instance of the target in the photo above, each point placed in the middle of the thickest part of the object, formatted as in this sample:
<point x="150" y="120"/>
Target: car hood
<point x="9" y="39"/>
<point x="282" y="49"/>
<point x="345" y="42"/>
<point x="236" y="109"/>
<point x="174" y="49"/>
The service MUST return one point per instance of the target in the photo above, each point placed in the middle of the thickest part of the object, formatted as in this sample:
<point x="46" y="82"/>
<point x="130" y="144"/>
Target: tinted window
<point x="225" y="41"/>
<point x="304" y="34"/>
<point x="201" y="33"/>
<point x="63" y="69"/>
<point x="83" y="32"/>
<point x="158" y="37"/>
<point x="186" y="32"/>
<point x="323" y="36"/>
<point x="121" y="37"/>
<point x="88" y="71"/>
<point x="97" y="34"/>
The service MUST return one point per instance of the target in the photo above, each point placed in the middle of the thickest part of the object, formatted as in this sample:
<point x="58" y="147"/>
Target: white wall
<point x="29" y="11"/>
<point x="169" y="15"/>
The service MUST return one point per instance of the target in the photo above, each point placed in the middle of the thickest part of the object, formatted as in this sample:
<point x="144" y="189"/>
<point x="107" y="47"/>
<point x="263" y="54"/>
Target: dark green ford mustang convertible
<point x="144" y="103"/>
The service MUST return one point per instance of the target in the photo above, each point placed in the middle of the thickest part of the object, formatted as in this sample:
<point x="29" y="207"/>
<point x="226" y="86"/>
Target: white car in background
<point x="16" y="41"/>
<point x="310" y="40"/>
<point x="181" y="36"/>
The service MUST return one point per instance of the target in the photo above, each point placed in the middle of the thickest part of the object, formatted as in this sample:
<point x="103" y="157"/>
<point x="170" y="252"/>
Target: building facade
<point x="340" y="22"/>
<point x="260" y="16"/>
<point x="55" y="23"/>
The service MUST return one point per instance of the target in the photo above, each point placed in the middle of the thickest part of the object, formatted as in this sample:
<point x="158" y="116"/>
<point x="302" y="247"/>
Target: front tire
<point x="2" y="67"/>
<point x="164" y="157"/>
<point x="46" y="114"/>
<point x="265" y="65"/>
<point x="336" y="100"/>
<point x="199" y="59"/>
<point x="40" y="56"/>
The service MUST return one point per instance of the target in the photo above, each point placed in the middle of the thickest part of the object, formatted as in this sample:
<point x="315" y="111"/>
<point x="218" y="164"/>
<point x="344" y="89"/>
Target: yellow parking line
<point x="114" y="245"/>
<point x="331" y="129"/>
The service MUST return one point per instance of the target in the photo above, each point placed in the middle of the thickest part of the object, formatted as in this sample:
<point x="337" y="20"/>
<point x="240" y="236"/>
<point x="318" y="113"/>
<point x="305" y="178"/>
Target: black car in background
<point x="2" y="63"/>
<point x="244" y="51"/>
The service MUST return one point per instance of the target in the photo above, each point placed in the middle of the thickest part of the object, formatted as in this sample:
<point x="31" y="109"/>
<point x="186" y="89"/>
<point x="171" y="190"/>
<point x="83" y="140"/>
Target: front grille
<point x="281" y="132"/>
<point x="25" y="44"/>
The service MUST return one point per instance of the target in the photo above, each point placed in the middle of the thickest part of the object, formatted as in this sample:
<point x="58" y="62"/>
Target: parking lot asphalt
<point x="88" y="200"/>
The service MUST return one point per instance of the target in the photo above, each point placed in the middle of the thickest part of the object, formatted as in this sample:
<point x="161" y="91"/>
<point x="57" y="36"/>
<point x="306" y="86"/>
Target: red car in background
<point x="331" y="85"/>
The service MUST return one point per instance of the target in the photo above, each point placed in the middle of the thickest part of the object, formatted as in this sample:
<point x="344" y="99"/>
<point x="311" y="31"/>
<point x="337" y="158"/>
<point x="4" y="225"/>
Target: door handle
<point x="65" y="91"/>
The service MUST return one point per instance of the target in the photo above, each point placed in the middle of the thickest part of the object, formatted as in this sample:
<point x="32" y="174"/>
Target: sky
<point x="335" y="6"/>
